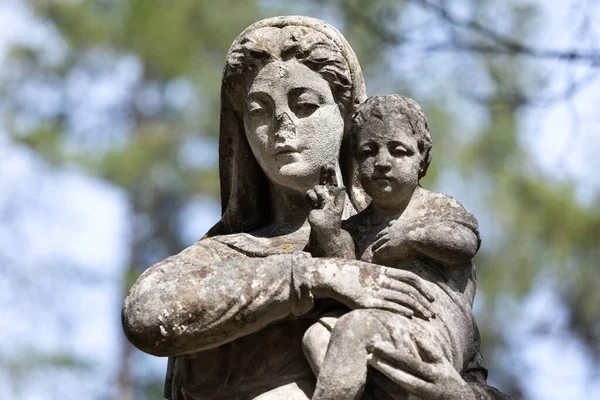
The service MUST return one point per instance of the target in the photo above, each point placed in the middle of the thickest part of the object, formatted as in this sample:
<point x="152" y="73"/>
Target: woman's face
<point x="292" y="123"/>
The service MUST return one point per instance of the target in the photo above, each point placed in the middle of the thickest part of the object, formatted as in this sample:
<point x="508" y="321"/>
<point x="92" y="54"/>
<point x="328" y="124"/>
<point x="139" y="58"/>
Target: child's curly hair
<point x="390" y="104"/>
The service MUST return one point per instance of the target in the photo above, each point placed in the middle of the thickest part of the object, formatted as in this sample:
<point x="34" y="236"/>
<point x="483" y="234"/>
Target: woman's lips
<point x="285" y="154"/>
<point x="285" y="149"/>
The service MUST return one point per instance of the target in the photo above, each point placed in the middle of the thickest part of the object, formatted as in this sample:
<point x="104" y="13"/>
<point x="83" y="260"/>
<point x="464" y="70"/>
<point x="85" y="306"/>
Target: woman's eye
<point x="306" y="106"/>
<point x="306" y="103"/>
<point x="255" y="109"/>
<point x="365" y="152"/>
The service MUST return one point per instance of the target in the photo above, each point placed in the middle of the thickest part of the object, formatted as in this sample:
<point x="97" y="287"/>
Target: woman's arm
<point x="186" y="304"/>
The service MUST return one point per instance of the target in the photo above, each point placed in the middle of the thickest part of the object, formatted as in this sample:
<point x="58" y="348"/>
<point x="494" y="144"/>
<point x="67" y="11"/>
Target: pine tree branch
<point x="501" y="44"/>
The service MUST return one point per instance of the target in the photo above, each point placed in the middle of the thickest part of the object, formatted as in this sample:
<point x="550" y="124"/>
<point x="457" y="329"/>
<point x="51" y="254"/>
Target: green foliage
<point x="19" y="368"/>
<point x="47" y="140"/>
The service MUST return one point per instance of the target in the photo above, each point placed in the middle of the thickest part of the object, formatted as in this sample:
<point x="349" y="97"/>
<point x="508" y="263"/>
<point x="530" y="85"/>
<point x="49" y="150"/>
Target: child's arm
<point x="327" y="238"/>
<point x="445" y="241"/>
<point x="449" y="235"/>
<point x="331" y="243"/>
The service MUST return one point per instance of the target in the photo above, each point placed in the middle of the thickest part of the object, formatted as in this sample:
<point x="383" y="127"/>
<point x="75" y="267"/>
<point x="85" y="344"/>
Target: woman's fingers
<point x="410" y="279"/>
<point x="404" y="379"/>
<point x="400" y="359"/>
<point x="419" y="309"/>
<point x="401" y="287"/>
<point x="384" y="304"/>
<point x="429" y="352"/>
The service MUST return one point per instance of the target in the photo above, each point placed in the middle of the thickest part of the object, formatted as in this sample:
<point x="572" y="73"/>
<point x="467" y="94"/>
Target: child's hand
<point x="391" y="244"/>
<point x="327" y="200"/>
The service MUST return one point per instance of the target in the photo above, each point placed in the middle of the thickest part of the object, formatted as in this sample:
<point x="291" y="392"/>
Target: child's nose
<point x="383" y="160"/>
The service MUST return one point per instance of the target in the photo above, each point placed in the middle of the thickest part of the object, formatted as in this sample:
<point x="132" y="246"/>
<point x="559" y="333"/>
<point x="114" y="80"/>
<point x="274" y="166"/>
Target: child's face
<point x="388" y="159"/>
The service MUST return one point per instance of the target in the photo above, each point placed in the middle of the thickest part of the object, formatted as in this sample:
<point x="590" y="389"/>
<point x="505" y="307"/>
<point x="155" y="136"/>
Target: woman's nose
<point x="284" y="125"/>
<point x="281" y="107"/>
<point x="283" y="118"/>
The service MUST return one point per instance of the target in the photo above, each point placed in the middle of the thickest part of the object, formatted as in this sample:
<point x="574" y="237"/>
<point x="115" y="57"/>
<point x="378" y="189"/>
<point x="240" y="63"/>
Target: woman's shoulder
<point x="216" y="249"/>
<point x="210" y="249"/>
<point x="253" y="245"/>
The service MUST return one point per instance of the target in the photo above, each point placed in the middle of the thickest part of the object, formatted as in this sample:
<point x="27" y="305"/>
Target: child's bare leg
<point x="343" y="374"/>
<point x="316" y="339"/>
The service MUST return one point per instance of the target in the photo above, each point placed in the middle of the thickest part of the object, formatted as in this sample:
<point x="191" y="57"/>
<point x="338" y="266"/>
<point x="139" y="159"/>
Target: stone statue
<point x="405" y="226"/>
<point x="231" y="311"/>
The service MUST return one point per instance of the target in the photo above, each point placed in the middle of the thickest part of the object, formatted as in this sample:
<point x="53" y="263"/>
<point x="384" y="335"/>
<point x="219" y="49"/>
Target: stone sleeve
<point x="302" y="298"/>
<point x="183" y="305"/>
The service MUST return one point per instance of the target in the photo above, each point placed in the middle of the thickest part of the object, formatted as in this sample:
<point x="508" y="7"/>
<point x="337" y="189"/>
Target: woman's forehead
<point x="287" y="75"/>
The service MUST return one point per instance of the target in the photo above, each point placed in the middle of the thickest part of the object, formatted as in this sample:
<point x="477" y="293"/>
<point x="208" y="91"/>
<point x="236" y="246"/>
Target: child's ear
<point x="425" y="161"/>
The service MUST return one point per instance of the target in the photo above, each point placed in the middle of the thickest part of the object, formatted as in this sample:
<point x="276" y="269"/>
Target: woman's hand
<point x="394" y="290"/>
<point x="427" y="375"/>
<point x="357" y="284"/>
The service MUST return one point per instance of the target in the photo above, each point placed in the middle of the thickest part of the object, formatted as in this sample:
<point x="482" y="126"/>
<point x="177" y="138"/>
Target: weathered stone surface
<point x="405" y="227"/>
<point x="378" y="310"/>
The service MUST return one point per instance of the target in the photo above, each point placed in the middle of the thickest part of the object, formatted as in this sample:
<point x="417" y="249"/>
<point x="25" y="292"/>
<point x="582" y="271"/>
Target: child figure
<point x="406" y="227"/>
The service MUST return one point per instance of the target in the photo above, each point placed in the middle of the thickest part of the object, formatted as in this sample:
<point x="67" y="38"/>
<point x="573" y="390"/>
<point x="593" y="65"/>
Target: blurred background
<point x="108" y="156"/>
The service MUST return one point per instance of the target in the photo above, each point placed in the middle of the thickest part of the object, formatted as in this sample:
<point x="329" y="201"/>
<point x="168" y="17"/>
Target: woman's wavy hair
<point x="313" y="43"/>
<point x="309" y="47"/>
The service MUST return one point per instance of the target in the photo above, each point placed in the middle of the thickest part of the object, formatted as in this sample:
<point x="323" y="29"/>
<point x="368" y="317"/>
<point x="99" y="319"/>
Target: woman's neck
<point x="289" y="209"/>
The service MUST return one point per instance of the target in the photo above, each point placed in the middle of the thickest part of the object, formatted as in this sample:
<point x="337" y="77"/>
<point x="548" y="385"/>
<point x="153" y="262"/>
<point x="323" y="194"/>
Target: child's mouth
<point x="381" y="178"/>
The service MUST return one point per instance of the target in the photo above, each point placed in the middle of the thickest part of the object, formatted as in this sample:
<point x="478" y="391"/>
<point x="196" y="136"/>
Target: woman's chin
<point x="294" y="169"/>
<point x="298" y="176"/>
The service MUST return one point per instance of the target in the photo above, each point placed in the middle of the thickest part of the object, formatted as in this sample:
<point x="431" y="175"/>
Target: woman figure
<point x="231" y="309"/>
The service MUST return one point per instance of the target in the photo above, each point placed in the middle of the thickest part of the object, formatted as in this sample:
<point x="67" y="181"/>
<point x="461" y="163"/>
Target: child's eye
<point x="399" y="151"/>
